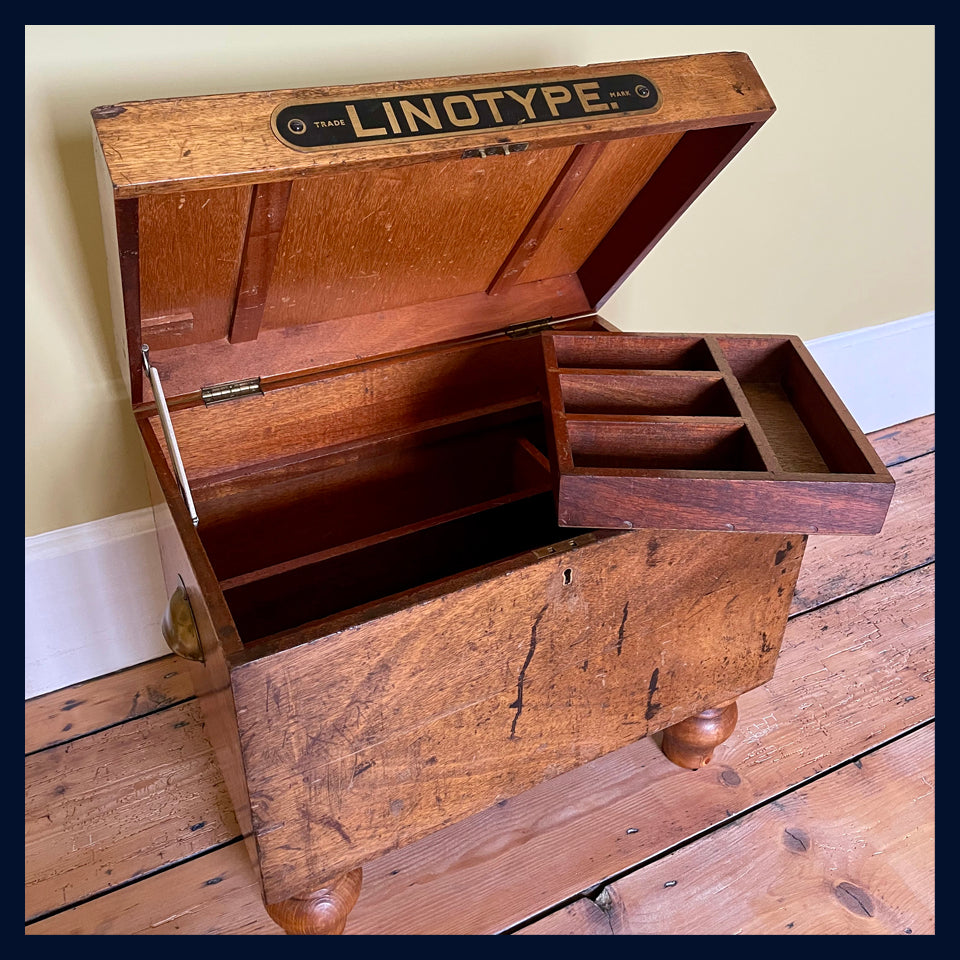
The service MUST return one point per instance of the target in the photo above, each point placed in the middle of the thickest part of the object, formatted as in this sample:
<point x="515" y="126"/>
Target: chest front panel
<point x="367" y="739"/>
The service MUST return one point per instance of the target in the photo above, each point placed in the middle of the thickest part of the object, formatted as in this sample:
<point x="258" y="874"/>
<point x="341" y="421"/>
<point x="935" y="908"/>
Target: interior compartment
<point x="646" y="394"/>
<point x="632" y="351"/>
<point x="663" y="446"/>
<point x="801" y="424"/>
<point x="399" y="438"/>
<point x="395" y="473"/>
<point x="387" y="567"/>
<point x="294" y="544"/>
<point x="275" y="521"/>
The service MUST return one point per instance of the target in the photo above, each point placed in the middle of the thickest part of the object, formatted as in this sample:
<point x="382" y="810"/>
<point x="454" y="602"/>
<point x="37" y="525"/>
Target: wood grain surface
<point x="162" y="146"/>
<point x="118" y="220"/>
<point x="566" y="184"/>
<point x="82" y="709"/>
<point x="852" y="853"/>
<point x="283" y="354"/>
<point x="190" y="253"/>
<point x="380" y="240"/>
<point x="96" y="795"/>
<point x="394" y="730"/>
<point x="268" y="210"/>
<point x="184" y="562"/>
<point x="905" y="441"/>
<point x="369" y="400"/>
<point x="216" y="894"/>
<point x="792" y="446"/>
<point x="856" y="562"/>
<point x="623" y="170"/>
<point x="852" y="505"/>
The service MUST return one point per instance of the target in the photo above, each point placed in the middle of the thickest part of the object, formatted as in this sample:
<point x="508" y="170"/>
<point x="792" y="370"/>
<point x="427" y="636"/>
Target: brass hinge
<point x="528" y="328"/>
<point x="494" y="150"/>
<point x="564" y="545"/>
<point x="230" y="391"/>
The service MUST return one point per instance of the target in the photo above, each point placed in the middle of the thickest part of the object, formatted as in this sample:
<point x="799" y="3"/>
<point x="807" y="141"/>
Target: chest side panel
<point x="183" y="560"/>
<point x="366" y="740"/>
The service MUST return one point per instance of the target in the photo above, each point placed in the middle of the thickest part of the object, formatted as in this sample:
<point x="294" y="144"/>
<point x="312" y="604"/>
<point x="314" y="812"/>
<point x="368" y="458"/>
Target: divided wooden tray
<point x="704" y="432"/>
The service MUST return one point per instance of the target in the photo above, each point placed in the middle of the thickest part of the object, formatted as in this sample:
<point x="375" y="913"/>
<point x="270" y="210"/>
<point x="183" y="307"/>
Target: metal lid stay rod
<point x="171" y="438"/>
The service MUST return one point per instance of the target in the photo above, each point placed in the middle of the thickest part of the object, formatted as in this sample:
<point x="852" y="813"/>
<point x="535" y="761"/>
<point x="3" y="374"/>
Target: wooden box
<point x="433" y="531"/>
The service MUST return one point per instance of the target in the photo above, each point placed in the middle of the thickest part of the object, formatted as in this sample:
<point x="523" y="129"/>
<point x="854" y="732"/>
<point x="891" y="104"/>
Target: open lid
<point x="273" y="234"/>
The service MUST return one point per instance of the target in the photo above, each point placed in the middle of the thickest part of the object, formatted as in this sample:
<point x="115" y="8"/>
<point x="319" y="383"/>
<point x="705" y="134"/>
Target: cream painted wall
<point x="823" y="224"/>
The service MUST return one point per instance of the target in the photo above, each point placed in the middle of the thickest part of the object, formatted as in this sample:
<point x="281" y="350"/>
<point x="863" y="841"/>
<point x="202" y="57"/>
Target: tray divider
<point x="651" y="418"/>
<point x="750" y="420"/>
<point x="560" y="444"/>
<point x="639" y="372"/>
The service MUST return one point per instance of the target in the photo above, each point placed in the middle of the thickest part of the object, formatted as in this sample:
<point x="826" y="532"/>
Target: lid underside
<point x="377" y="257"/>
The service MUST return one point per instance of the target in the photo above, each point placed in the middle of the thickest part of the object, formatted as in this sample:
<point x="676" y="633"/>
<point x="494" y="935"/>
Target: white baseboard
<point x="94" y="599"/>
<point x="95" y="594"/>
<point x="884" y="374"/>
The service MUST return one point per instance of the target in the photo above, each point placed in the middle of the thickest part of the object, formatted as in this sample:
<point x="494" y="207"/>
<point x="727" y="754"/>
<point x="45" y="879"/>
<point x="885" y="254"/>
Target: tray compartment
<point x="614" y="351"/>
<point x="790" y="403"/>
<point x="663" y="446"/>
<point x="645" y="434"/>
<point x="641" y="395"/>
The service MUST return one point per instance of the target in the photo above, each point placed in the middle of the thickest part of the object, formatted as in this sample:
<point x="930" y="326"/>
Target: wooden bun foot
<point x="691" y="742"/>
<point x="323" y="911"/>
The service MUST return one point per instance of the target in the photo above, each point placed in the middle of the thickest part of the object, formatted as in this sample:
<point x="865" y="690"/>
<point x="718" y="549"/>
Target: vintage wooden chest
<point x="432" y="529"/>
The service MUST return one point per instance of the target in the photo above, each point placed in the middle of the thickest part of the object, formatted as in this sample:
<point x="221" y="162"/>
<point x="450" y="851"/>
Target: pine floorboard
<point x="816" y="816"/>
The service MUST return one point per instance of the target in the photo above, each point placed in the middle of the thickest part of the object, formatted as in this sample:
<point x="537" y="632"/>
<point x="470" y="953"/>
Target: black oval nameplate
<point x="312" y="126"/>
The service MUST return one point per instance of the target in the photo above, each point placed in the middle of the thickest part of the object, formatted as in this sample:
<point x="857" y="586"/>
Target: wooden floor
<point x="817" y="816"/>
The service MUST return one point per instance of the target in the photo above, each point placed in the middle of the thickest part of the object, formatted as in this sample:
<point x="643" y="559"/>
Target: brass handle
<point x="180" y="628"/>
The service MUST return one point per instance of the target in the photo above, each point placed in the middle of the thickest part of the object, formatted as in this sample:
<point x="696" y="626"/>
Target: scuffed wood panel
<point x="214" y="894"/>
<point x="849" y="677"/>
<point x="905" y="440"/>
<point x="852" y="853"/>
<point x="190" y="250"/>
<point x="361" y="242"/>
<point x="620" y="173"/>
<point x="368" y="739"/>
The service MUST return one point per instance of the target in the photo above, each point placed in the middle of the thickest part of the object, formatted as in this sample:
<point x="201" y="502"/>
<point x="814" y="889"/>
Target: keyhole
<point x="567" y="577"/>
